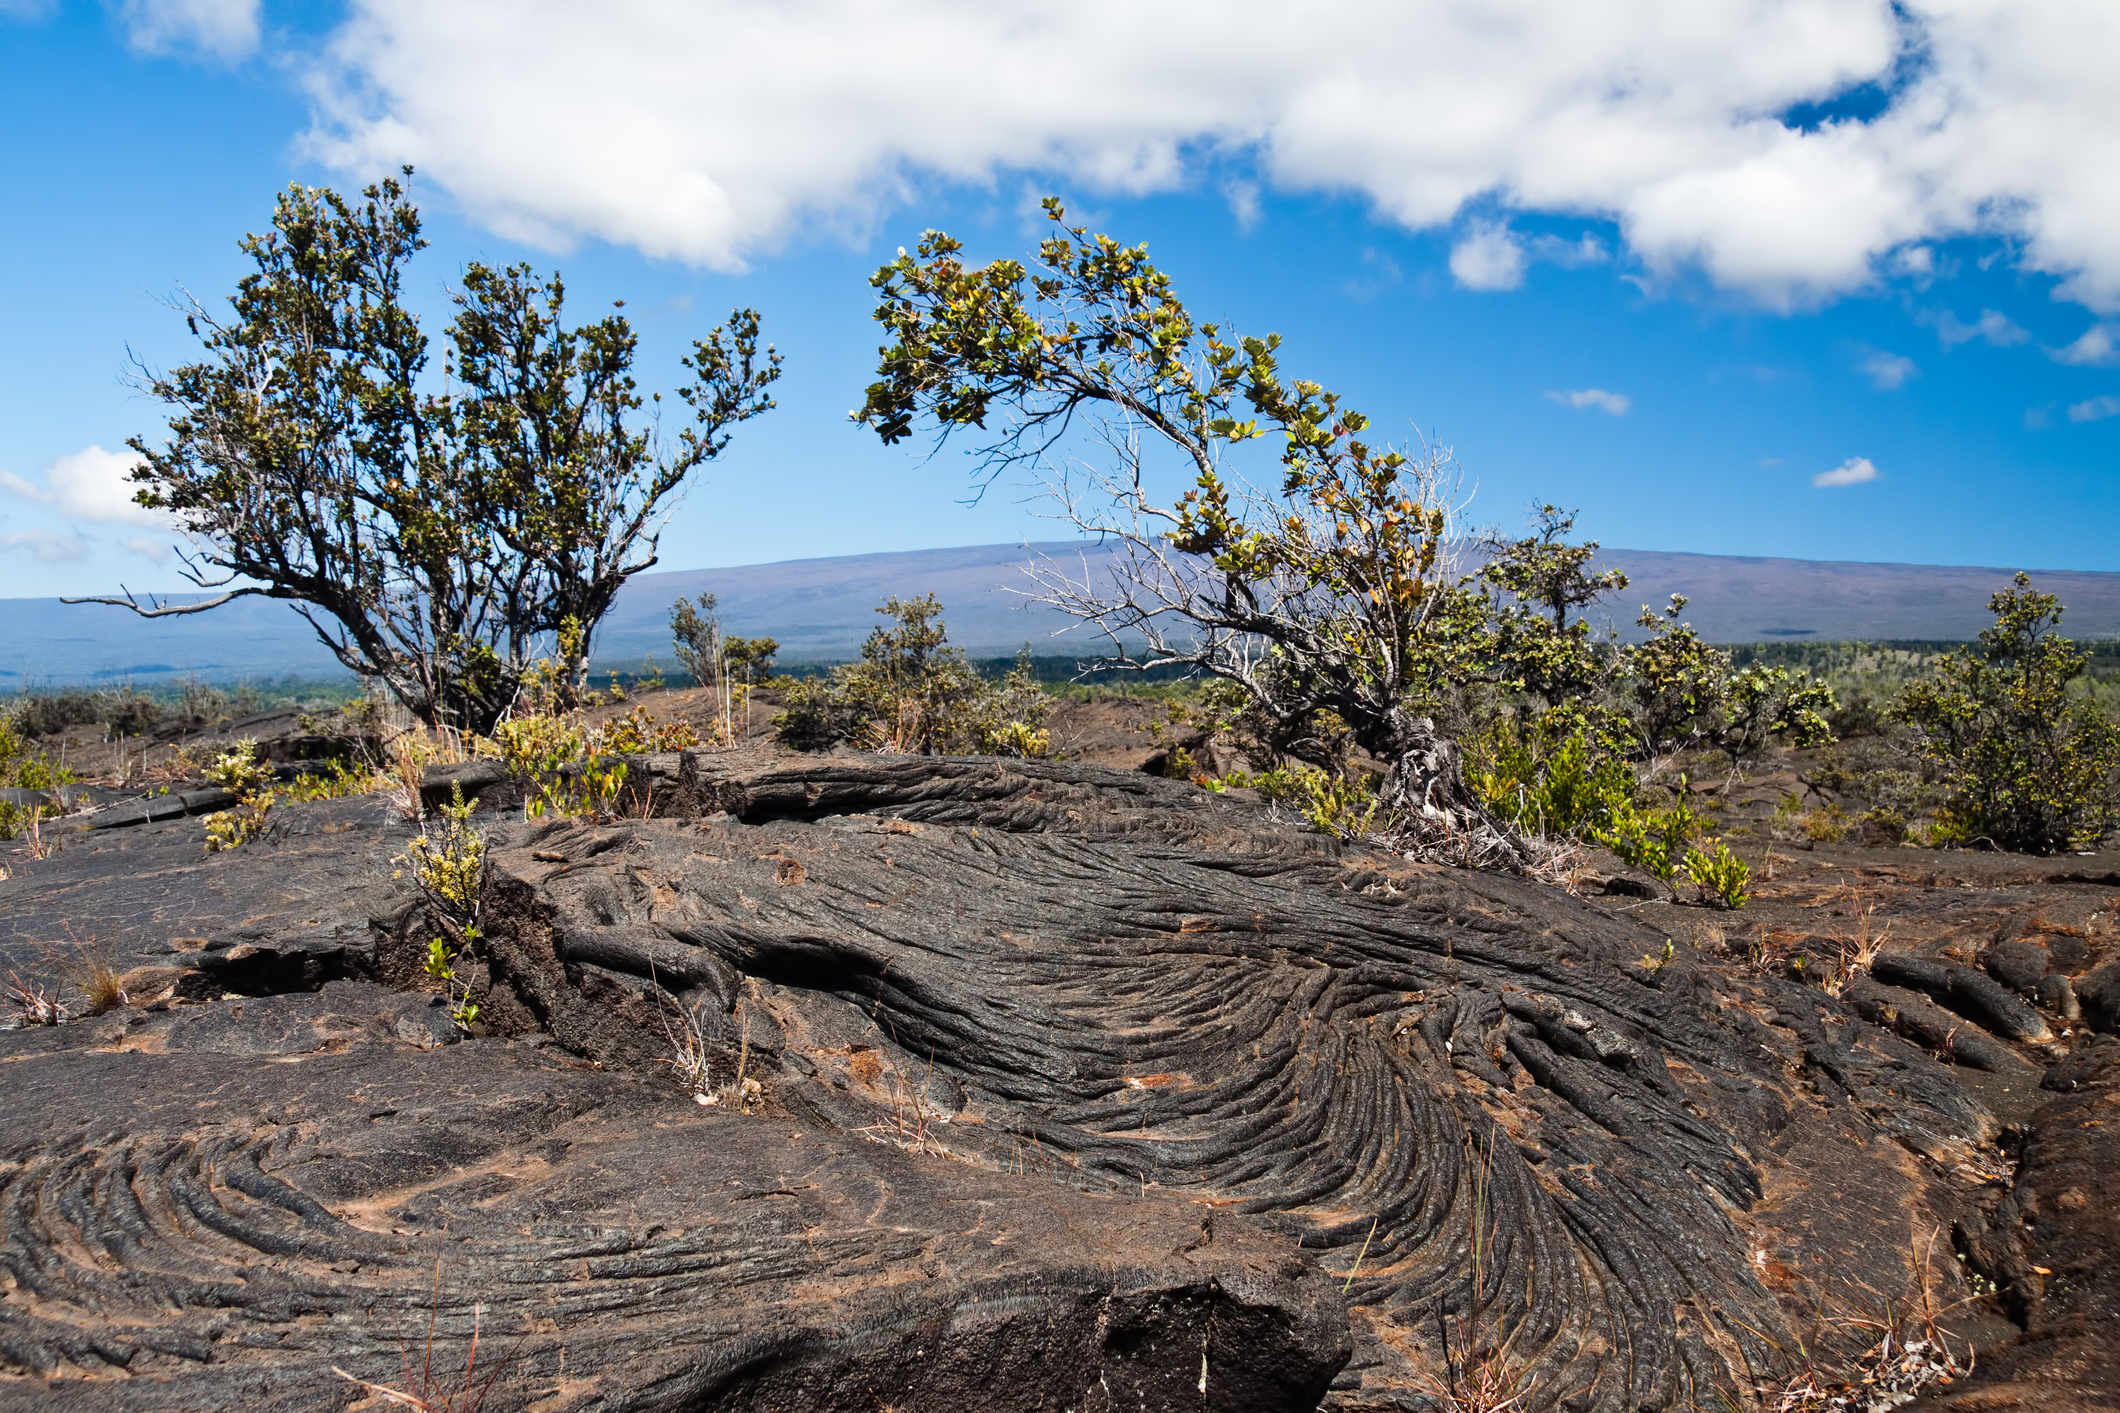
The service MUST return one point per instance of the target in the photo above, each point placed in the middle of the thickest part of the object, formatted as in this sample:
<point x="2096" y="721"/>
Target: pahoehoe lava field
<point x="1075" y="1089"/>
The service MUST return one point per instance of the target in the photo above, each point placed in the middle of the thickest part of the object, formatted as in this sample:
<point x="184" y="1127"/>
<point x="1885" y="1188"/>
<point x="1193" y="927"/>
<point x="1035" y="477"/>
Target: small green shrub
<point x="1650" y="840"/>
<point x="1722" y="876"/>
<point x="449" y="863"/>
<point x="1344" y="805"/>
<point x="2027" y="767"/>
<point x="441" y="965"/>
<point x="26" y="769"/>
<point x="1570" y="788"/>
<point x="238" y="770"/>
<point x="568" y="775"/>
<point x="233" y="828"/>
<point x="912" y="694"/>
<point x="339" y="780"/>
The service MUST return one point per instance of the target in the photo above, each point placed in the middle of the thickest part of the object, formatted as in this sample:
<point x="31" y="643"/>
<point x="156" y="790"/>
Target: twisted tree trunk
<point x="1426" y="797"/>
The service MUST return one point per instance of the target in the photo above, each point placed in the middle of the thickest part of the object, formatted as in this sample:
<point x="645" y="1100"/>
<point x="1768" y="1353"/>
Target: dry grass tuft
<point x="428" y="1389"/>
<point x="99" y="983"/>
<point x="1902" y="1352"/>
<point x="32" y="1003"/>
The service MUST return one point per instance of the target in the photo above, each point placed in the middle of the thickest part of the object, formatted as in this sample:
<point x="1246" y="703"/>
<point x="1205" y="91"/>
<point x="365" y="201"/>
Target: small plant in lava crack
<point x="238" y="771"/>
<point x="1655" y="962"/>
<point x="1481" y="1371"/>
<point x="695" y="1039"/>
<point x="448" y="862"/>
<point x="427" y="1388"/>
<point x="441" y="965"/>
<point x="913" y="1116"/>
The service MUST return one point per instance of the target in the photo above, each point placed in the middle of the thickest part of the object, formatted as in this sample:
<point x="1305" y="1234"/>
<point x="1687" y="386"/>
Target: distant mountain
<point x="823" y="608"/>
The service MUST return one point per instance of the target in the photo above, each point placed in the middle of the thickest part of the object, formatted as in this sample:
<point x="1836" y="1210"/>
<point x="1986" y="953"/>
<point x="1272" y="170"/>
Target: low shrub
<point x="1654" y="840"/>
<point x="25" y="769"/>
<point x="233" y="828"/>
<point x="120" y="712"/>
<point x="1568" y="788"/>
<point x="448" y="862"/>
<point x="1722" y="876"/>
<point x="239" y="771"/>
<point x="2027" y="767"/>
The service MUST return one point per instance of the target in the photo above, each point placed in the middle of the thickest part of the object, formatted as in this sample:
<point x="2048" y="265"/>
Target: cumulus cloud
<point x="2096" y="409"/>
<point x="2095" y="349"/>
<point x="91" y="484"/>
<point x="1887" y="371"/>
<point x="225" y="29"/>
<point x="712" y="131"/>
<point x="1580" y="398"/>
<point x="1852" y="472"/>
<point x="1488" y="258"/>
<point x="47" y="546"/>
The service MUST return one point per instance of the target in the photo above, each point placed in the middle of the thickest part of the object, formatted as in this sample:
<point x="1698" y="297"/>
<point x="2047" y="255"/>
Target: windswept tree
<point x="437" y="533"/>
<point x="1330" y="599"/>
<point x="1323" y="585"/>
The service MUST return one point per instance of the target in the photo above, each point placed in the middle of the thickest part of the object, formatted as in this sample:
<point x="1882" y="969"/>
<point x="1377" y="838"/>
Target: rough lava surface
<point x="1075" y="1089"/>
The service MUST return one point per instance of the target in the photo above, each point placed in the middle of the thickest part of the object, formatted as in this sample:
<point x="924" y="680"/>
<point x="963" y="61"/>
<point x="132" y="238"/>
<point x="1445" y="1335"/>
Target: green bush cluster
<point x="913" y="694"/>
<point x="24" y="768"/>
<point x="120" y="712"/>
<point x="239" y="771"/>
<point x="2025" y="765"/>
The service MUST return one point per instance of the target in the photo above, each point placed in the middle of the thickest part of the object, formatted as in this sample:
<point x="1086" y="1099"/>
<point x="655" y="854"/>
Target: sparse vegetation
<point x="913" y="694"/>
<point x="427" y="1389"/>
<point x="33" y="1002"/>
<point x="25" y="768"/>
<point x="1722" y="876"/>
<point x="448" y="863"/>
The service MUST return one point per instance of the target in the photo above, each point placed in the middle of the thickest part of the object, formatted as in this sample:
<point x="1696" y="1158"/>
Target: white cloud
<point x="1569" y="254"/>
<point x="91" y="484"/>
<point x="1887" y="371"/>
<point x="47" y="546"/>
<point x="2095" y="349"/>
<point x="153" y="551"/>
<point x="1489" y="258"/>
<point x="2095" y="410"/>
<point x="712" y="131"/>
<point x="1580" y="398"/>
<point x="225" y="29"/>
<point x="1993" y="325"/>
<point x="1852" y="472"/>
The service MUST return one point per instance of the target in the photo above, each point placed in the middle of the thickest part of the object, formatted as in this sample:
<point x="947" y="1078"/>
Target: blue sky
<point x="1812" y="283"/>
